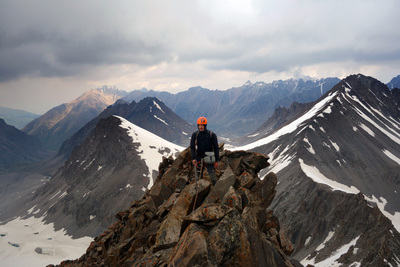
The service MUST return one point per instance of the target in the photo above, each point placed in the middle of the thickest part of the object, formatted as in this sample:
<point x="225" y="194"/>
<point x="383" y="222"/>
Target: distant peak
<point x="248" y="83"/>
<point x="108" y="89"/>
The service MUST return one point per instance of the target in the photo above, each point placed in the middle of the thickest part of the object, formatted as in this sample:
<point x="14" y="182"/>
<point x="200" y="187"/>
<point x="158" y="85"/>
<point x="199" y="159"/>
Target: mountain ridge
<point x="60" y="122"/>
<point x="18" y="148"/>
<point x="17" y="117"/>
<point x="334" y="161"/>
<point x="149" y="113"/>
<point x="249" y="105"/>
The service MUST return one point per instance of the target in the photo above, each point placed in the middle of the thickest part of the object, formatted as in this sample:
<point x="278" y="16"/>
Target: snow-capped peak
<point x="151" y="147"/>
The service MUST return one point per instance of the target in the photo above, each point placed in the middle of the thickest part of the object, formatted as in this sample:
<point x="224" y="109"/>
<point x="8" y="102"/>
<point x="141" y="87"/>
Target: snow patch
<point x="307" y="241"/>
<point x="151" y="147"/>
<point x="391" y="156"/>
<point x="63" y="194"/>
<point x="310" y="148"/>
<point x="335" y="146"/>
<point x="290" y="127"/>
<point x="332" y="260"/>
<point x="368" y="130"/>
<point x="328" y="110"/>
<point x="90" y="163"/>
<point x="381" y="203"/>
<point x="323" y="244"/>
<point x="55" y="194"/>
<point x="313" y="173"/>
<point x="389" y="131"/>
<point x="253" y="135"/>
<point x="158" y="106"/>
<point x="163" y="121"/>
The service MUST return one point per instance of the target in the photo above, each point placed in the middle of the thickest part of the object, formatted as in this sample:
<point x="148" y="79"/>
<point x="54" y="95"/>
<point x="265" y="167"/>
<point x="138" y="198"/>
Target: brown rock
<point x="192" y="248"/>
<point x="227" y="180"/>
<point x="246" y="180"/>
<point x="208" y="212"/>
<point x="170" y="229"/>
<point x="232" y="199"/>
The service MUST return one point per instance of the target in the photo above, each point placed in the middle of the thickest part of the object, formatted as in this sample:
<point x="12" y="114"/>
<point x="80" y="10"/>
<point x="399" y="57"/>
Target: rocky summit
<point x="181" y="222"/>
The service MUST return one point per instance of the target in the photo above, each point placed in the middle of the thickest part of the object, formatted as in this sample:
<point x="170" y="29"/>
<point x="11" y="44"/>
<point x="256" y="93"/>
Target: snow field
<point x="31" y="242"/>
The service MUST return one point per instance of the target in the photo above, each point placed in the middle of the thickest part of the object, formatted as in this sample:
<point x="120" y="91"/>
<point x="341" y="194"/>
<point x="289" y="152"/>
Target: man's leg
<point x="211" y="173"/>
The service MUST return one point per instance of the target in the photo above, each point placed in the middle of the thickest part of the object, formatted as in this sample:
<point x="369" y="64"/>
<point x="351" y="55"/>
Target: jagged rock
<point x="192" y="248"/>
<point x="227" y="180"/>
<point x="181" y="222"/>
<point x="233" y="199"/>
<point x="170" y="229"/>
<point x="208" y="212"/>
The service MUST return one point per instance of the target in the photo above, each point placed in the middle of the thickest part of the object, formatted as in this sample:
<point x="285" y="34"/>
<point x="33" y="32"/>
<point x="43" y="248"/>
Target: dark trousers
<point x="210" y="169"/>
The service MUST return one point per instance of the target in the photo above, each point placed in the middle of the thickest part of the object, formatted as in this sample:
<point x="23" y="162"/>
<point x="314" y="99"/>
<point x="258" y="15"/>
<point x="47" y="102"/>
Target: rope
<point x="194" y="205"/>
<point x="200" y="176"/>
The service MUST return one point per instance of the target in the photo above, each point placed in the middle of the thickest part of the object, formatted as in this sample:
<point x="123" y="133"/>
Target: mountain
<point x="61" y="122"/>
<point x="150" y="114"/>
<point x="238" y="111"/>
<point x="280" y="117"/>
<point x="115" y="165"/>
<point x="17" y="147"/>
<point x="179" y="222"/>
<point x="338" y="165"/>
<point x="16" y="117"/>
<point x="394" y="83"/>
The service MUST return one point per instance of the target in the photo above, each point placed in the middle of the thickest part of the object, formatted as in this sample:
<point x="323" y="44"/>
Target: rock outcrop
<point x="179" y="222"/>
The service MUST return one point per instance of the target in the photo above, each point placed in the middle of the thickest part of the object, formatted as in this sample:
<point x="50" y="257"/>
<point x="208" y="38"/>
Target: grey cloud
<point x="35" y="53"/>
<point x="63" y="38"/>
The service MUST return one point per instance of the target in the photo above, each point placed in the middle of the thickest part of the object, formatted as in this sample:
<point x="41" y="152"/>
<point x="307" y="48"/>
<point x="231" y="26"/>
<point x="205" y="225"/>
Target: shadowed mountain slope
<point x="338" y="165"/>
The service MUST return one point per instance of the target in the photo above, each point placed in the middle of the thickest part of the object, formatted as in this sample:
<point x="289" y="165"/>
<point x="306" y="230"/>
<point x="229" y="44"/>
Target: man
<point x="203" y="141"/>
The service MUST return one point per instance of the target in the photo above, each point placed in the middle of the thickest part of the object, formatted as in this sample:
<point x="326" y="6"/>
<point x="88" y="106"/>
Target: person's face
<point x="201" y="127"/>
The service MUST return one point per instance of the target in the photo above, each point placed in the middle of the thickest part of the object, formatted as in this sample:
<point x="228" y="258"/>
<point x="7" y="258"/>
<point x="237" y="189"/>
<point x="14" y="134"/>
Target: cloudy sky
<point x="53" y="51"/>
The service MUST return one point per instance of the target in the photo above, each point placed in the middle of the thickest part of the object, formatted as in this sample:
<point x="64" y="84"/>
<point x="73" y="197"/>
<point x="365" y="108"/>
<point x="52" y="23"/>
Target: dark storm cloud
<point x="66" y="38"/>
<point x="35" y="41"/>
<point x="52" y="54"/>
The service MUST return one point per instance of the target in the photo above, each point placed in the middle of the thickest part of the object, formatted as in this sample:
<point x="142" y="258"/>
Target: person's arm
<point x="215" y="146"/>
<point x="193" y="148"/>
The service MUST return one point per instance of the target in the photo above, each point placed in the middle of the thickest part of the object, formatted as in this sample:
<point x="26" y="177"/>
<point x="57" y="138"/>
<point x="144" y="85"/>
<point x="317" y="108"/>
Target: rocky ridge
<point x="179" y="222"/>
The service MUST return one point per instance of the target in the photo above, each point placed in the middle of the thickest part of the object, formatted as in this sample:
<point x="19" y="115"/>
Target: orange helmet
<point x="202" y="120"/>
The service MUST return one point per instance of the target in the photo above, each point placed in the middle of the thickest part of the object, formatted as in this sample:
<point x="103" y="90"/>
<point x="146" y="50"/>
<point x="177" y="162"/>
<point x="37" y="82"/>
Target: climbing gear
<point x="199" y="170"/>
<point x="209" y="158"/>
<point x="202" y="121"/>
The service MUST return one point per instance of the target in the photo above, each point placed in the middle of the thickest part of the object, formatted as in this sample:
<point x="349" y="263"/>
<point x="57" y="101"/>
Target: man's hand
<point x="216" y="165"/>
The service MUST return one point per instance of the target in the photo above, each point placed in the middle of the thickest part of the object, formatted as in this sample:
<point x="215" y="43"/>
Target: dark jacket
<point x="206" y="142"/>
